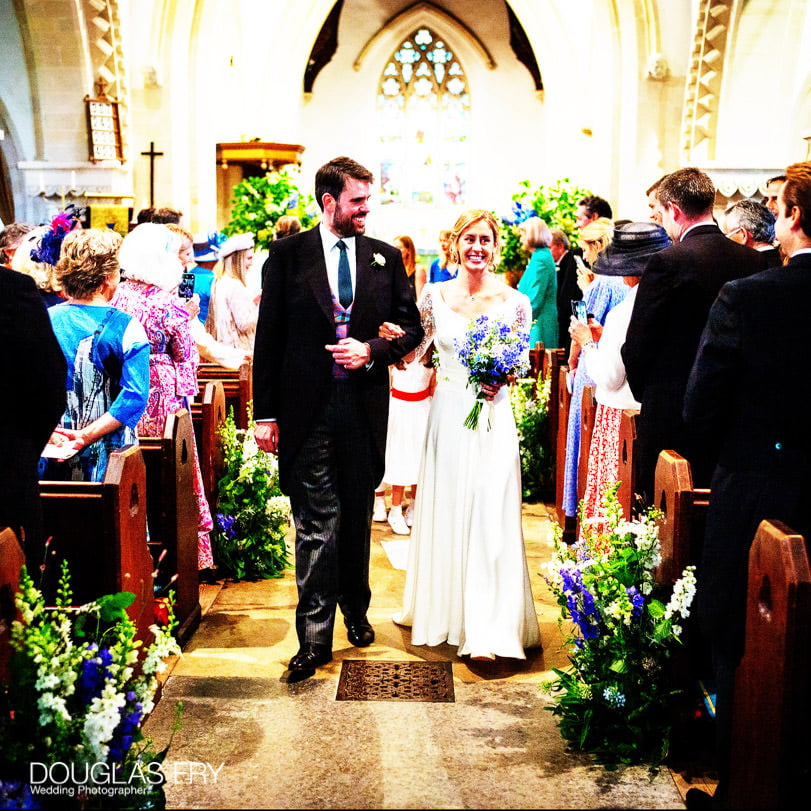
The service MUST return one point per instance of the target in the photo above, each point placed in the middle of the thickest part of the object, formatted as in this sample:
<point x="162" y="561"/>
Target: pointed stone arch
<point x="431" y="16"/>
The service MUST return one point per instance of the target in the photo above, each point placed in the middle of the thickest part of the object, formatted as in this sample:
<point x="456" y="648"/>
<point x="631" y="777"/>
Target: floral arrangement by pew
<point x="80" y="688"/>
<point x="530" y="404"/>
<point x="614" y="700"/>
<point x="253" y="516"/>
<point x="492" y="352"/>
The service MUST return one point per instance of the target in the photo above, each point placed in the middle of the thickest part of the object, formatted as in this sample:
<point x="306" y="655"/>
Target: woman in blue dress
<point x="107" y="353"/>
<point x="601" y="294"/>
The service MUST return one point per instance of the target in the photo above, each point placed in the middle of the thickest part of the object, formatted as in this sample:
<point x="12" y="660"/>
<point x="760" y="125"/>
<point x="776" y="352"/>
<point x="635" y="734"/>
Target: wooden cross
<point x="151" y="154"/>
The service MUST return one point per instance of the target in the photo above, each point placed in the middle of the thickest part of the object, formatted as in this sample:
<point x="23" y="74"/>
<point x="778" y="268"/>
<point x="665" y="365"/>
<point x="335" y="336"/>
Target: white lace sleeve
<point x="523" y="321"/>
<point x="426" y="308"/>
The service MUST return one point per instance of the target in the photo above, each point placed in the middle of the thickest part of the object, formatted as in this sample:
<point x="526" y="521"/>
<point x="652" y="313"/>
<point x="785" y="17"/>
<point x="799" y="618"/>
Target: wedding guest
<point x="38" y="253"/>
<point x="208" y="348"/>
<point x="441" y="268"/>
<point x="467" y="582"/>
<point x="30" y="355"/>
<point x="286" y="226"/>
<point x="206" y="255"/>
<point x="625" y="258"/>
<point x="321" y="398"/>
<point x="10" y="238"/>
<point x="590" y="208"/>
<point x="149" y="258"/>
<point x="675" y="293"/>
<point x="539" y="282"/>
<point x="568" y="289"/>
<point x="107" y="355"/>
<point x="773" y="186"/>
<point x="233" y="309"/>
<point x="600" y="296"/>
<point x="752" y="224"/>
<point x="414" y="270"/>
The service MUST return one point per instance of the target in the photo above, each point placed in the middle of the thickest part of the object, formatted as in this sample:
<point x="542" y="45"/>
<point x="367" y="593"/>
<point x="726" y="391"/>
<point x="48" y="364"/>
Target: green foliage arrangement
<point x="614" y="700"/>
<point x="530" y="404"/>
<point x="555" y="204"/>
<point x="253" y="515"/>
<point x="71" y="715"/>
<point x="258" y="202"/>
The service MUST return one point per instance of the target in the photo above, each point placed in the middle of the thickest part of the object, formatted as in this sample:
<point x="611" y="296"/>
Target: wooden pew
<point x="625" y="471"/>
<point x="237" y="385"/>
<point x="172" y="516"/>
<point x="551" y="362"/>
<point x="564" y="398"/>
<point x="588" y="413"/>
<point x="207" y="417"/>
<point x="12" y="559"/>
<point x="684" y="508"/>
<point x="100" y="529"/>
<point x="771" y="753"/>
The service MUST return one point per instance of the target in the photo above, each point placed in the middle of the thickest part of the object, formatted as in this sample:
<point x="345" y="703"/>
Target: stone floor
<point x="249" y="740"/>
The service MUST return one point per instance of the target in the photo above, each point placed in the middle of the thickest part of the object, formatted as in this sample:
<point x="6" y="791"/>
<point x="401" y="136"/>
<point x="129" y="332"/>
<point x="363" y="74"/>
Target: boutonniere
<point x="378" y="260"/>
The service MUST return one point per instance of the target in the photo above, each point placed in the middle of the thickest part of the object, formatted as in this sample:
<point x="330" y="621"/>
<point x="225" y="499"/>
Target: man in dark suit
<point x="33" y="401"/>
<point x="568" y="289"/>
<point x="750" y="223"/>
<point x="321" y="398"/>
<point x="737" y="400"/>
<point x="677" y="288"/>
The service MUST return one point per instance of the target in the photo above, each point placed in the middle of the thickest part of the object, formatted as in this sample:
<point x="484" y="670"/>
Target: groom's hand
<point x="267" y="436"/>
<point x="350" y="353"/>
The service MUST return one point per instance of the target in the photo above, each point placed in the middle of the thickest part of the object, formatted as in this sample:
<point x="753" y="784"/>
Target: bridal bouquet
<point x="492" y="352"/>
<point x="613" y="700"/>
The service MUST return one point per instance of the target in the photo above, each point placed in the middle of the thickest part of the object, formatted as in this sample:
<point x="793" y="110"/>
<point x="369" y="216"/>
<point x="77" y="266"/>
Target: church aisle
<point x="247" y="740"/>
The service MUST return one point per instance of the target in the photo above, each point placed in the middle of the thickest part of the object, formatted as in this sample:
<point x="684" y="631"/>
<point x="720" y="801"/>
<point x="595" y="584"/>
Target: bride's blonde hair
<point x="468" y="218"/>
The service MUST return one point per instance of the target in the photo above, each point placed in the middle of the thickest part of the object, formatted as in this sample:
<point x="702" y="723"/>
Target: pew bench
<point x="172" y="516"/>
<point x="684" y="516"/>
<point x="770" y="762"/>
<point x="208" y="415"/>
<point x="237" y="387"/>
<point x="100" y="529"/>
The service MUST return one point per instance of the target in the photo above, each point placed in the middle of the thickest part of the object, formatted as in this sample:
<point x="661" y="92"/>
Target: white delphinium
<point x="684" y="589"/>
<point x="103" y="716"/>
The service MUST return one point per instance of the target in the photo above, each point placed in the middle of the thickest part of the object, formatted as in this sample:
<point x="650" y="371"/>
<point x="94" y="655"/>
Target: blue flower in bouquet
<point x="492" y="351"/>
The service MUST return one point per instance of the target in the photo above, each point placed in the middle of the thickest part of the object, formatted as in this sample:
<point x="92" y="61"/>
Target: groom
<point x="321" y="398"/>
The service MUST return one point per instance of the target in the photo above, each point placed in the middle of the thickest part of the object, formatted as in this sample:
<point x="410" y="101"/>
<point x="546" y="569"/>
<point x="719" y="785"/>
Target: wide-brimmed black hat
<point x="631" y="247"/>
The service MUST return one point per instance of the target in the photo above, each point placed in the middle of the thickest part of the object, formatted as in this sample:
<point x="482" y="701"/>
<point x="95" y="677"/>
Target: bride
<point x="467" y="581"/>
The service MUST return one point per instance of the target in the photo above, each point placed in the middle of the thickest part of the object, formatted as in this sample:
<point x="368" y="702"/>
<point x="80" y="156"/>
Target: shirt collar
<point x="329" y="240"/>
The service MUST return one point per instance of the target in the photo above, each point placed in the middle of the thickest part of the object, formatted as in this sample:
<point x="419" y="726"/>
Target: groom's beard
<point x="348" y="225"/>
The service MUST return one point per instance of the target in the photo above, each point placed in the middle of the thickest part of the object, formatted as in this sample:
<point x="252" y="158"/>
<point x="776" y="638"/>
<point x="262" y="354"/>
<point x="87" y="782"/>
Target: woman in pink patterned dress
<point x="151" y="271"/>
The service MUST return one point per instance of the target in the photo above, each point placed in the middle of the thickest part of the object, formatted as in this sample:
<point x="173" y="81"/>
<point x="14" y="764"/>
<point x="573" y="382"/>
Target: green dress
<point x="539" y="283"/>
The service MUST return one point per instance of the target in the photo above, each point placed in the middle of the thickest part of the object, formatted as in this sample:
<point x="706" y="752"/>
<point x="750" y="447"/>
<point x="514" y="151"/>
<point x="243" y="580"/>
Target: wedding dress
<point x="467" y="581"/>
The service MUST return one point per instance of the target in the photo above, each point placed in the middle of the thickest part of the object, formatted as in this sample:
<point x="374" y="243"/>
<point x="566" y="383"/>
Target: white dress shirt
<point x="332" y="254"/>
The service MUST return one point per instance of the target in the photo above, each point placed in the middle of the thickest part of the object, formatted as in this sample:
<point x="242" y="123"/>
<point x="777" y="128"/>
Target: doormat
<point x="363" y="680"/>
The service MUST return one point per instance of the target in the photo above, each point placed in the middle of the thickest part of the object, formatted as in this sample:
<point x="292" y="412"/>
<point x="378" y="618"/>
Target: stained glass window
<point x="423" y="109"/>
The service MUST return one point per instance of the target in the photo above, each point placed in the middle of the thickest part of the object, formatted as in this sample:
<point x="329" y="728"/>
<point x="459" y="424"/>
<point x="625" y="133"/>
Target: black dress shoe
<point x="698" y="799"/>
<point x="310" y="657"/>
<point x="360" y="633"/>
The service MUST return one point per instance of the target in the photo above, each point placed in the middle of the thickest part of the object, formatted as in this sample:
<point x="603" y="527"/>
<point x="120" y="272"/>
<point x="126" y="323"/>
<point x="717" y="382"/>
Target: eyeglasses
<point x="729" y="234"/>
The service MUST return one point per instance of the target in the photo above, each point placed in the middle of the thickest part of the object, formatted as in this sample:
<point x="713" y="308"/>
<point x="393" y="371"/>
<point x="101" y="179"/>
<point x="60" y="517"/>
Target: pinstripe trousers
<point x="331" y="498"/>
